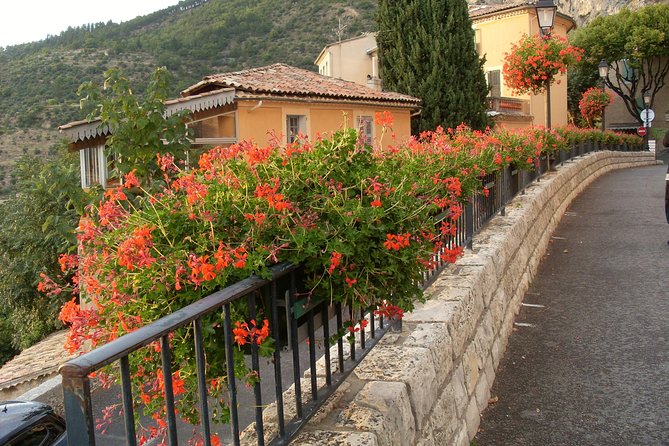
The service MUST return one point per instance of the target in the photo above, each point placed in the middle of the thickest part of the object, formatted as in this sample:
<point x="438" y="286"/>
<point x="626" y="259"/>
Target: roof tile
<point x="285" y="80"/>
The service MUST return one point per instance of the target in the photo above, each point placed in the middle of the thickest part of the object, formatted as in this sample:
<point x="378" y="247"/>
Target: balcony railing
<point x="508" y="105"/>
<point x="316" y="320"/>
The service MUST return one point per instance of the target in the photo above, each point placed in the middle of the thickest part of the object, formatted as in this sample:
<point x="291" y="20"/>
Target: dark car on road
<point x="29" y="423"/>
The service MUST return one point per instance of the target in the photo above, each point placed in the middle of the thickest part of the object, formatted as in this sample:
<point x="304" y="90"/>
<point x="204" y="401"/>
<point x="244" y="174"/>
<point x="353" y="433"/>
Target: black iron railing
<point x="298" y="325"/>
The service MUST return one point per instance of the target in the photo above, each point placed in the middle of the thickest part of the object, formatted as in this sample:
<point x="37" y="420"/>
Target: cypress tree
<point x="427" y="50"/>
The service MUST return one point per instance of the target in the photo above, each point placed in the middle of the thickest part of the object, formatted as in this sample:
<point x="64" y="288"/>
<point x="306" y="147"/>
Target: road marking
<point x="555" y="237"/>
<point x="532" y="305"/>
<point x="523" y="324"/>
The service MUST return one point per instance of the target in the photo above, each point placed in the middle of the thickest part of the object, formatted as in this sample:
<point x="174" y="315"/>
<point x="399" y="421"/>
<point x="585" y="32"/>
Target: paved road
<point x="593" y="369"/>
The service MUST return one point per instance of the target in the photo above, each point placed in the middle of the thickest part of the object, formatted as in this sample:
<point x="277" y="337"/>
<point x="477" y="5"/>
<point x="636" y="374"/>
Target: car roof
<point x="15" y="416"/>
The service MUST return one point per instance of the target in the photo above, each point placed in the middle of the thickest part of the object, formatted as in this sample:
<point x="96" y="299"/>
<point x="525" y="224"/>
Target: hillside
<point x="38" y="81"/>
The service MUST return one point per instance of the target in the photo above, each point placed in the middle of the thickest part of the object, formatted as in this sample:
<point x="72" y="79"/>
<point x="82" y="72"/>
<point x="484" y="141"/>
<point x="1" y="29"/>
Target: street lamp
<point x="546" y="10"/>
<point x="646" y="101"/>
<point x="604" y="75"/>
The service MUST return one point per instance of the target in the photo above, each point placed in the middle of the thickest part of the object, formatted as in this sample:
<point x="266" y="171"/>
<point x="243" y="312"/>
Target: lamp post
<point x="546" y="10"/>
<point x="604" y="75"/>
<point x="646" y="102"/>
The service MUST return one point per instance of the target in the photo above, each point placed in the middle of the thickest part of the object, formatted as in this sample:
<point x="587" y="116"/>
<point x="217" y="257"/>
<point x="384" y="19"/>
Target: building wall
<point x="322" y="119"/>
<point x="495" y="36"/>
<point x="349" y="60"/>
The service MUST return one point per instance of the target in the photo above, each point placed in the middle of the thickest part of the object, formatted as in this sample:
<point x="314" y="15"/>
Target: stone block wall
<point x="428" y="384"/>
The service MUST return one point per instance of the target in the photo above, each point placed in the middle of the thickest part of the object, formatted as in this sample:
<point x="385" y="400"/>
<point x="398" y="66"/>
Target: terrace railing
<point x="315" y="321"/>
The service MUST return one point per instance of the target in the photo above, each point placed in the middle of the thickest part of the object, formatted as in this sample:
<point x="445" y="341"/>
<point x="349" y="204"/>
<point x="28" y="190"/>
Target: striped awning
<point x="83" y="130"/>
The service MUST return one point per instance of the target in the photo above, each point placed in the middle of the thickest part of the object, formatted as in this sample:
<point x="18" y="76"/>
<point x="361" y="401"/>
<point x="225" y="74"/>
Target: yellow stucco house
<point x="497" y="28"/>
<point x="260" y="104"/>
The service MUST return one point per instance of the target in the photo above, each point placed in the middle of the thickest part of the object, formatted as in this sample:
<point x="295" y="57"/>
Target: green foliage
<point x="427" y="50"/>
<point x="635" y="43"/>
<point x="139" y="128"/>
<point x="36" y="224"/>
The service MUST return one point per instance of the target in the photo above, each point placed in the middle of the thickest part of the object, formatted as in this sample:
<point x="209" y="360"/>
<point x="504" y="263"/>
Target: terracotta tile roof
<point x="481" y="10"/>
<point x="285" y="81"/>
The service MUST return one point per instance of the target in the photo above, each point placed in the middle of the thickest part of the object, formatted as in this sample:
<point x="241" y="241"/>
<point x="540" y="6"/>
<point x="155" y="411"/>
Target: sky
<point x="24" y="21"/>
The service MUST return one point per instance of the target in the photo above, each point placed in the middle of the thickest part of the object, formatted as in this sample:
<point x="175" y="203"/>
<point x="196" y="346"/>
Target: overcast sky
<point x="24" y="21"/>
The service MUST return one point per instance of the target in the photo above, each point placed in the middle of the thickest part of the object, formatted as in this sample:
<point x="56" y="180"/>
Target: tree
<point x="427" y="50"/>
<point x="36" y="224"/>
<point x="635" y="43"/>
<point x="140" y="129"/>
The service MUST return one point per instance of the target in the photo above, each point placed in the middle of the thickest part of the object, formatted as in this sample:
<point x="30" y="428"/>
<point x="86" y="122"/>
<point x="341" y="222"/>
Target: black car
<point x="28" y="423"/>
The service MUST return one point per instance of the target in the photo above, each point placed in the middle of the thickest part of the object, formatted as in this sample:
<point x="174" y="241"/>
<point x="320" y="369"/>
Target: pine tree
<point x="427" y="50"/>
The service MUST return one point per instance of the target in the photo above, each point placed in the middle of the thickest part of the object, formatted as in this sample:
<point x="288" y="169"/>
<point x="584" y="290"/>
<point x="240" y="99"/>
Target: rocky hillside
<point x="584" y="10"/>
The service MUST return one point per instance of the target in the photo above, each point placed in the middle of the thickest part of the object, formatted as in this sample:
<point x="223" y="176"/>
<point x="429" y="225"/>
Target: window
<point x="366" y="128"/>
<point x="93" y="166"/>
<point x="295" y="125"/>
<point x="494" y="83"/>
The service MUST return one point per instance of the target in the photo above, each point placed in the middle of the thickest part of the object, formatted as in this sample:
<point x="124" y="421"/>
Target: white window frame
<point x="301" y="126"/>
<point x="93" y="157"/>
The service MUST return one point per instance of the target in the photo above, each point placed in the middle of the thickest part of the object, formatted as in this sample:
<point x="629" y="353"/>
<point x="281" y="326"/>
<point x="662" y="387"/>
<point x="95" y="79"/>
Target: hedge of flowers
<point x="359" y="218"/>
<point x="535" y="61"/>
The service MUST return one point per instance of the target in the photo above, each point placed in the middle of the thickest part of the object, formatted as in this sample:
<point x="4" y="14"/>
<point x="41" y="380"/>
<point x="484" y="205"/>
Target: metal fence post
<point x="469" y="225"/>
<point x="78" y="407"/>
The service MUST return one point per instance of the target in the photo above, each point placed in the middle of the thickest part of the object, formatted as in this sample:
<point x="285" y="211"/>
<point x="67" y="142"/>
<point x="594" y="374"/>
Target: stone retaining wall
<point x="428" y="385"/>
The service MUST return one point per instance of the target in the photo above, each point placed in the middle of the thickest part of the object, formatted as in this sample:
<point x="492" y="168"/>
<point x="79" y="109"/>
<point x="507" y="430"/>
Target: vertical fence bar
<point x="202" y="381"/>
<point x="128" y="410"/>
<point x="326" y="342"/>
<point x="295" y="347"/>
<point x="352" y="333"/>
<point x="255" y="366"/>
<point x="78" y="407"/>
<point x="277" y="360"/>
<point x="166" y="357"/>
<point x="362" y="330"/>
<point x="372" y="323"/>
<point x="340" y="339"/>
<point x="312" y="354"/>
<point x="232" y="387"/>
<point x="469" y="225"/>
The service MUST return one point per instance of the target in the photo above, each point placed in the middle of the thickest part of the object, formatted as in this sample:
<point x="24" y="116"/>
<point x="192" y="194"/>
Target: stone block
<point x="410" y="365"/>
<point x="384" y="408"/>
<point x="471" y="367"/>
<point x="444" y="417"/>
<point x="472" y="417"/>
<point x="331" y="438"/>
<point x="460" y="396"/>
<point x="436" y="338"/>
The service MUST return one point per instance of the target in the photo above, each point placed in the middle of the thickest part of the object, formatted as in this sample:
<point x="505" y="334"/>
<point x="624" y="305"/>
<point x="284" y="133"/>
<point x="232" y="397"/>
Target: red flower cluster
<point x="395" y="242"/>
<point x="245" y="333"/>
<point x="535" y="61"/>
<point x="389" y="311"/>
<point x="135" y="252"/>
<point x="593" y="102"/>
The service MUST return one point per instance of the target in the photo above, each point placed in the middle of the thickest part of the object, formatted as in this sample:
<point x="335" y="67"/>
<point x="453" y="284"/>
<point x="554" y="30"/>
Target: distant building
<point x="497" y="28"/>
<point x="352" y="59"/>
<point x="253" y="105"/>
